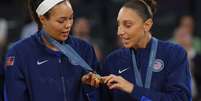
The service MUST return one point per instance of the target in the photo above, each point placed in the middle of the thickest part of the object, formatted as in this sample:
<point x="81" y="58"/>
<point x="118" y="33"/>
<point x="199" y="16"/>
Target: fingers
<point x="114" y="86"/>
<point x="107" y="78"/>
<point x="91" y="79"/>
<point x="86" y="78"/>
<point x="95" y="80"/>
<point x="118" y="82"/>
<point x="111" y="80"/>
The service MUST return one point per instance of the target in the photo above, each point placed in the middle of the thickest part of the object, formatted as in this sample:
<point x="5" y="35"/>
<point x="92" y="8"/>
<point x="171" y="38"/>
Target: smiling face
<point x="132" y="29"/>
<point x="59" y="23"/>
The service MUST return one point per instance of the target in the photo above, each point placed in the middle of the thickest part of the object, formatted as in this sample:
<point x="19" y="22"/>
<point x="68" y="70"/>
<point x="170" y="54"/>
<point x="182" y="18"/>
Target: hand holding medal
<point x="92" y="79"/>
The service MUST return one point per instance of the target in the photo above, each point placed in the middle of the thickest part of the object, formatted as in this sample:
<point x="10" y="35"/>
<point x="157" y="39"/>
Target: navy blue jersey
<point x="170" y="80"/>
<point x="33" y="72"/>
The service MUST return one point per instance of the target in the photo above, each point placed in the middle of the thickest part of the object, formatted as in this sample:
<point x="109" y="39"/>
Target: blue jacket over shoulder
<point x="170" y="82"/>
<point x="35" y="73"/>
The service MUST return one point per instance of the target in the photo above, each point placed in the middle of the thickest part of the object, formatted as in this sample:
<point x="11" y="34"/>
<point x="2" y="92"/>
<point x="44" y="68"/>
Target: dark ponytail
<point x="152" y="4"/>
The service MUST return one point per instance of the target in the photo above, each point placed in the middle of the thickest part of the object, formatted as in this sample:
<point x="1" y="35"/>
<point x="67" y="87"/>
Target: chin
<point x="63" y="38"/>
<point x="127" y="45"/>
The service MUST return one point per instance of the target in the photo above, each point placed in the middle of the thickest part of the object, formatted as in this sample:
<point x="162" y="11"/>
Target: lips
<point x="65" y="33"/>
<point x="125" y="40"/>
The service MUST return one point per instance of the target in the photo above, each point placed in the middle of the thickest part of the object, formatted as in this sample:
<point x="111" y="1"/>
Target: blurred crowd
<point x="184" y="35"/>
<point x="95" y="22"/>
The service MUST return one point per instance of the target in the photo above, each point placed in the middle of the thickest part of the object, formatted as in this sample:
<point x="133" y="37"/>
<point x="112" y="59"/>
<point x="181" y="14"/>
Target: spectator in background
<point x="184" y="36"/>
<point x="3" y="30"/>
<point x="3" y="37"/>
<point x="28" y="30"/>
<point x="196" y="72"/>
<point x="82" y="30"/>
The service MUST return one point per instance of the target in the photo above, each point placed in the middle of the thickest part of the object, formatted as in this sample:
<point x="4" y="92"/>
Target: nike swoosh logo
<point x="41" y="62"/>
<point x="123" y="70"/>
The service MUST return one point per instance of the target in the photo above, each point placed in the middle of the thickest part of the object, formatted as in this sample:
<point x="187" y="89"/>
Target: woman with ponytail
<point x="146" y="69"/>
<point x="49" y="65"/>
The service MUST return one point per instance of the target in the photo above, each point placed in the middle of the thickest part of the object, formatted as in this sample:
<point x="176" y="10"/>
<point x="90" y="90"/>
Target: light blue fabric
<point x="152" y="56"/>
<point x="69" y="52"/>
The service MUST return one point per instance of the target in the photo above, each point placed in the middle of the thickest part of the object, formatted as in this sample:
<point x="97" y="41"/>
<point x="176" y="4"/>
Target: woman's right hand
<point x="118" y="82"/>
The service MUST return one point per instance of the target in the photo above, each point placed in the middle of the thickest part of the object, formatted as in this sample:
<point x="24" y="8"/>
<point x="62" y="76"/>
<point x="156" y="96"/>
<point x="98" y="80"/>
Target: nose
<point x="120" y="31"/>
<point x="68" y="24"/>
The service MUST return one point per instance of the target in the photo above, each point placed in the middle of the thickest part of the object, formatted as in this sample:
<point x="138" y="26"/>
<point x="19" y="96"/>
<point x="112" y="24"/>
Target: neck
<point x="144" y="41"/>
<point x="48" y="45"/>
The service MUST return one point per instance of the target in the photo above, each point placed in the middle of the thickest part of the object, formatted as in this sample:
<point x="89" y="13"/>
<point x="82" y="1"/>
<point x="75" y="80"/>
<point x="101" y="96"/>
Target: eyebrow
<point x="62" y="17"/>
<point x="126" y="21"/>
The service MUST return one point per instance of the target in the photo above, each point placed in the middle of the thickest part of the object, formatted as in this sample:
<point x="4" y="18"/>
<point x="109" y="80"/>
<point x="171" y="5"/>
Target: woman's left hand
<point x="118" y="82"/>
<point x="91" y="79"/>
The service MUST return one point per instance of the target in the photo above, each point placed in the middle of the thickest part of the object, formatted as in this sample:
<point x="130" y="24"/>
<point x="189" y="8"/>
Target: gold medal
<point x="98" y="79"/>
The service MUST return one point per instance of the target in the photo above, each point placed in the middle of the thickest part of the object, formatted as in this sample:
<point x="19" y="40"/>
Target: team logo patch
<point x="10" y="61"/>
<point x="158" y="65"/>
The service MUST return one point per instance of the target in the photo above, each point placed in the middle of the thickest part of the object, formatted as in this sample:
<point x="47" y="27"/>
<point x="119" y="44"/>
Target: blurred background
<point x="178" y="21"/>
